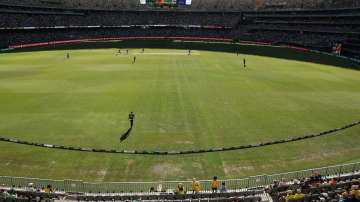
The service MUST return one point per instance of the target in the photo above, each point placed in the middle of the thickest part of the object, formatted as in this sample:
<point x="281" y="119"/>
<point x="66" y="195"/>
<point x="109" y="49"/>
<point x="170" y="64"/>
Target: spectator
<point x="152" y="189"/>
<point x="30" y="187"/>
<point x="3" y="194"/>
<point x="214" y="184"/>
<point x="48" y="189"/>
<point x="195" y="185"/>
<point x="355" y="193"/>
<point x="289" y="196"/>
<point x="180" y="189"/>
<point x="6" y="196"/>
<point x="283" y="182"/>
<point x="10" y="195"/>
<point x="159" y="188"/>
<point x="333" y="182"/>
<point x="299" y="195"/>
<point x="12" y="191"/>
<point x="324" y="196"/>
<point x="223" y="188"/>
<point x="316" y="179"/>
<point x="346" y="197"/>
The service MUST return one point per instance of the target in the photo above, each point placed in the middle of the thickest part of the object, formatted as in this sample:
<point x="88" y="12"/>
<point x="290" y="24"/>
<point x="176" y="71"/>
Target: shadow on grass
<point x="125" y="135"/>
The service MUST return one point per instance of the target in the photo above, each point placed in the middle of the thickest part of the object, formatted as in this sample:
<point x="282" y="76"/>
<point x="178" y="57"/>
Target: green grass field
<point x="181" y="102"/>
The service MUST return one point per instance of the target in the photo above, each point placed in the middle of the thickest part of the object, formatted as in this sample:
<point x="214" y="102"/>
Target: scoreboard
<point x="166" y="2"/>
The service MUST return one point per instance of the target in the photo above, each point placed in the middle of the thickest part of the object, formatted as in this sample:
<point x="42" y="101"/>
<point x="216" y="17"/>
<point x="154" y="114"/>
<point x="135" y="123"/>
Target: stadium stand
<point x="317" y="188"/>
<point x="33" y="22"/>
<point x="334" y="183"/>
<point x="319" y="29"/>
<point x="198" y="5"/>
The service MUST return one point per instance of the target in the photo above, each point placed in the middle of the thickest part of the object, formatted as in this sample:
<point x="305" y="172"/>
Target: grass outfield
<point x="181" y="102"/>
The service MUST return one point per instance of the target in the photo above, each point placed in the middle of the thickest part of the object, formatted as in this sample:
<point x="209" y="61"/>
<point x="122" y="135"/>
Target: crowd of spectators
<point x="198" y="5"/>
<point x="204" y="5"/>
<point x="48" y="193"/>
<point x="317" y="188"/>
<point x="11" y="17"/>
<point x="341" y="29"/>
<point x="196" y="187"/>
<point x="314" y="188"/>
<point x="29" y="193"/>
<point x="36" y="36"/>
<point x="319" y="29"/>
<point x="8" y="194"/>
<point x="318" y="41"/>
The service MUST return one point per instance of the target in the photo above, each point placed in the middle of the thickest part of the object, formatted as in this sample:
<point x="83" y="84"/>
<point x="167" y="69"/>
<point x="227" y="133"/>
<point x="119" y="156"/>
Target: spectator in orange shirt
<point x="214" y="184"/>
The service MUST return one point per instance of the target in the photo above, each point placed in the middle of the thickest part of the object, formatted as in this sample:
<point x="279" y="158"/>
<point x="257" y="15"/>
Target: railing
<point x="136" y="187"/>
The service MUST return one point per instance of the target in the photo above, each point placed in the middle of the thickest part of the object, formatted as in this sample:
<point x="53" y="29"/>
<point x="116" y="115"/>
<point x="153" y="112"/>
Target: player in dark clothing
<point x="67" y="55"/>
<point x="134" y="59"/>
<point x="189" y="52"/>
<point x="131" y="119"/>
<point x="244" y="61"/>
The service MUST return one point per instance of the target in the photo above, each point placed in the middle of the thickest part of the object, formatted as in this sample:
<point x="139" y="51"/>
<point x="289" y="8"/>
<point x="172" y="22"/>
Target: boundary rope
<point x="241" y="147"/>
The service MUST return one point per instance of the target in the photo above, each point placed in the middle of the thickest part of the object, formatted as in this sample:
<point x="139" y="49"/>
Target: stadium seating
<point x="204" y="5"/>
<point x="248" y="196"/>
<point x="319" y="29"/>
<point x="319" y="191"/>
<point x="312" y="188"/>
<point x="314" y="29"/>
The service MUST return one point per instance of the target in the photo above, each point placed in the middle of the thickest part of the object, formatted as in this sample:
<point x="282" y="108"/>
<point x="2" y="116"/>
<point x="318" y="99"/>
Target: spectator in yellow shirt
<point x="298" y="195"/>
<point x="195" y="185"/>
<point x="289" y="196"/>
<point x="355" y="192"/>
<point x="48" y="189"/>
